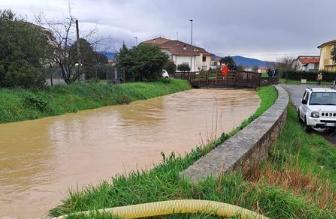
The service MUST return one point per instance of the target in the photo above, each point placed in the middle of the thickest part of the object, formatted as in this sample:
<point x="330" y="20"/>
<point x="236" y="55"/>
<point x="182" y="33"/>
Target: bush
<point x="105" y="71"/>
<point x="141" y="63"/>
<point x="22" y="74"/>
<point x="170" y="67"/>
<point x="23" y="49"/>
<point x="311" y="76"/>
<point x="165" y="80"/>
<point x="183" y="67"/>
<point x="32" y="101"/>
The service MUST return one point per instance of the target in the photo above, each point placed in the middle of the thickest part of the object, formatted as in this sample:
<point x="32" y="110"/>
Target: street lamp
<point x="191" y="31"/>
<point x="191" y="39"/>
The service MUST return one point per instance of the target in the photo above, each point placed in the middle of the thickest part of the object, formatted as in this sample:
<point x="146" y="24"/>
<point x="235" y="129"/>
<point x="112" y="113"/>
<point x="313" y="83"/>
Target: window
<point x="323" y="98"/>
<point x="305" y="97"/>
<point x="204" y="59"/>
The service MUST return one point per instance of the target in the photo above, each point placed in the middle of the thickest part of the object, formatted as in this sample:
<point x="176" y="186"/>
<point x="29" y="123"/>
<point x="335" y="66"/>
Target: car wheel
<point x="306" y="127"/>
<point x="299" y="118"/>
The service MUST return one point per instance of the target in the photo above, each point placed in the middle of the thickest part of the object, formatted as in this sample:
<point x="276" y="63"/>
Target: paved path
<point x="296" y="92"/>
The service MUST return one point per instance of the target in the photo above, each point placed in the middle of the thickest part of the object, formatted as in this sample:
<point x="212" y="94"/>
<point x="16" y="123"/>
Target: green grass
<point x="163" y="183"/>
<point x="308" y="152"/>
<point x="22" y="104"/>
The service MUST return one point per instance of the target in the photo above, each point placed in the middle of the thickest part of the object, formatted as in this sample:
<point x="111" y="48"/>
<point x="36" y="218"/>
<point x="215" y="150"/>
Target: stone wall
<point x="245" y="149"/>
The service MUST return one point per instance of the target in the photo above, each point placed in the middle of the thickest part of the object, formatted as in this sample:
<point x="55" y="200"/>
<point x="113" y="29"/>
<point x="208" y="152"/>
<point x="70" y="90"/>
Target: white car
<point x="318" y="108"/>
<point x="165" y="74"/>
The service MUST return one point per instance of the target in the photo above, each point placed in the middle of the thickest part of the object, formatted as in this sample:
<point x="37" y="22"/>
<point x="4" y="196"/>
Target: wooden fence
<point x="240" y="79"/>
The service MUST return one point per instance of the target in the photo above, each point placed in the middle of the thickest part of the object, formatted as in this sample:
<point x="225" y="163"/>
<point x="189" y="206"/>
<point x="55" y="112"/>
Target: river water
<point x="41" y="159"/>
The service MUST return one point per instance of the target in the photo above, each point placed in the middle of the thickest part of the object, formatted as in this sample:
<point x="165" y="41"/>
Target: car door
<point x="304" y="105"/>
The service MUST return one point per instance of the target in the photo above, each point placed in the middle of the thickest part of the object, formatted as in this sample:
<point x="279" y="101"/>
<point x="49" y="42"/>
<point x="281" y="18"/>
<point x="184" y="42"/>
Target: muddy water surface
<point x="41" y="159"/>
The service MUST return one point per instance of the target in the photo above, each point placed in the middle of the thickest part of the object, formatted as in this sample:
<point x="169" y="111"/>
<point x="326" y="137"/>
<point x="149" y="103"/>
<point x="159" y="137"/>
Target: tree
<point x="101" y="58"/>
<point x="285" y="64"/>
<point x="228" y="60"/>
<point x="24" y="52"/>
<point x="184" y="67"/>
<point x="141" y="63"/>
<point x="333" y="54"/>
<point x="170" y="67"/>
<point x="64" y="55"/>
<point x="240" y="68"/>
<point x="89" y="58"/>
<point x="255" y="68"/>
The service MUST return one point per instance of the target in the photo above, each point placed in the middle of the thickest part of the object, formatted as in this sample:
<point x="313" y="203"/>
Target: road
<point x="296" y="92"/>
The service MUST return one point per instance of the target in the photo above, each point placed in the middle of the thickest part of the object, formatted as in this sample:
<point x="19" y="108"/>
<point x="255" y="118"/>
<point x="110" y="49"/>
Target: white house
<point x="306" y="63"/>
<point x="180" y="52"/>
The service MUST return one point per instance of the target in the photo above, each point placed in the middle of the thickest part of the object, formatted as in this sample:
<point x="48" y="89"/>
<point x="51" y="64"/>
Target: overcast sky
<point x="265" y="29"/>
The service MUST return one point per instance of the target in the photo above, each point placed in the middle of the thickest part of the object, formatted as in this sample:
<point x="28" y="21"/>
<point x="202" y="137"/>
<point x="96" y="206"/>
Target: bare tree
<point x="62" y="38"/>
<point x="285" y="64"/>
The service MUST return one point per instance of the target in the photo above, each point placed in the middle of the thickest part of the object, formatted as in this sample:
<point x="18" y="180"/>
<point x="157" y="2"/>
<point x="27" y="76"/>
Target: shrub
<point x="183" y="67"/>
<point x="311" y="76"/>
<point x="141" y="63"/>
<point x="23" y="49"/>
<point x="170" y="67"/>
<point x="36" y="102"/>
<point x="165" y="80"/>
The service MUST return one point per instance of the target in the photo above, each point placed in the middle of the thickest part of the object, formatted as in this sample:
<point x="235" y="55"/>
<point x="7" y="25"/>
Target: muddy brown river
<point x="41" y="159"/>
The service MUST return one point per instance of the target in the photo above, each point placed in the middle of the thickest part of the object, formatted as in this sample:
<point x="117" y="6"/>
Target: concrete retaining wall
<point x="245" y="149"/>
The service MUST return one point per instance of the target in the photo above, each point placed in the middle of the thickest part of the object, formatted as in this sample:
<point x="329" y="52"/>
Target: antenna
<point x="176" y="35"/>
<point x="69" y="7"/>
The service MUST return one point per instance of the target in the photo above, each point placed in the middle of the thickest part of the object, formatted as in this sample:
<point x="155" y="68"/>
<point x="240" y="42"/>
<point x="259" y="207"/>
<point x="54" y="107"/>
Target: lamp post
<point x="191" y="31"/>
<point x="191" y="41"/>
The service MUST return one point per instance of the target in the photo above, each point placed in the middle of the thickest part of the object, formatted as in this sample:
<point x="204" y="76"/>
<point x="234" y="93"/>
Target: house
<point x="306" y="63"/>
<point x="183" y="53"/>
<point x="215" y="62"/>
<point x="326" y="62"/>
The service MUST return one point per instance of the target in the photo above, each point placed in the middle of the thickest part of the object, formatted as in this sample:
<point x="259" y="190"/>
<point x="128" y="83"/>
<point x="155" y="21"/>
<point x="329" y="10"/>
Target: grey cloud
<point x="261" y="28"/>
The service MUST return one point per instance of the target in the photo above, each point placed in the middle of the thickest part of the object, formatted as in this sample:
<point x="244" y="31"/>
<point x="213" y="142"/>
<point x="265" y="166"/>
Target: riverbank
<point x="23" y="104"/>
<point x="163" y="182"/>
<point x="302" y="164"/>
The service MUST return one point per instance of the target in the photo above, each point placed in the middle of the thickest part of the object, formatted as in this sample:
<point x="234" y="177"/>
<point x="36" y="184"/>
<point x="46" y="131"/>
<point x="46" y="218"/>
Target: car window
<point x="305" y="96"/>
<point x="323" y="98"/>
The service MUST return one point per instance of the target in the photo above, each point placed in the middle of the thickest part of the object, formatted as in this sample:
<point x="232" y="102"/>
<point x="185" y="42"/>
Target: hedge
<point x="310" y="76"/>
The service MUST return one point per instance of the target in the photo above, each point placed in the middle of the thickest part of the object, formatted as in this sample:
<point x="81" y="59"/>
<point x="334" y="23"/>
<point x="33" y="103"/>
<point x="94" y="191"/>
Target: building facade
<point x="326" y="62"/>
<point x="307" y="63"/>
<point x="183" y="53"/>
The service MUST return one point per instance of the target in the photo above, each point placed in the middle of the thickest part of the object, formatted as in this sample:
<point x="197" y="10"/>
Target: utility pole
<point x="191" y="41"/>
<point x="78" y="49"/>
<point x="136" y="40"/>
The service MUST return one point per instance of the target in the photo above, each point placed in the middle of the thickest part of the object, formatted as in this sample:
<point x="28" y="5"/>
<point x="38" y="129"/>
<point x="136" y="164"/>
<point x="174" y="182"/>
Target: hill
<point x="250" y="62"/>
<point x="109" y="55"/>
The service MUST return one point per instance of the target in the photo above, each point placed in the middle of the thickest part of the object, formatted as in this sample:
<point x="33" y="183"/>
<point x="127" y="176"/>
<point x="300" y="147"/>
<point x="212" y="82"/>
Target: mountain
<point x="109" y="55"/>
<point x="250" y="62"/>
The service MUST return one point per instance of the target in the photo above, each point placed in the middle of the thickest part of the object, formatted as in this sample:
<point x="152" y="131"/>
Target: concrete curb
<point x="245" y="149"/>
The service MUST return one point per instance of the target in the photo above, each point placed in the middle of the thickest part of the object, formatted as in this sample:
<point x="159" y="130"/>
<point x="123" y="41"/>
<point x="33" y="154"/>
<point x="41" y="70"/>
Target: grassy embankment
<point x="163" y="183"/>
<point x="22" y="104"/>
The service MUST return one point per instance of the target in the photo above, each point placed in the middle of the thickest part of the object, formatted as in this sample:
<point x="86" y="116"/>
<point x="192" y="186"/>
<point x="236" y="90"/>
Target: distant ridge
<point x="239" y="60"/>
<point x="109" y="55"/>
<point x="250" y="62"/>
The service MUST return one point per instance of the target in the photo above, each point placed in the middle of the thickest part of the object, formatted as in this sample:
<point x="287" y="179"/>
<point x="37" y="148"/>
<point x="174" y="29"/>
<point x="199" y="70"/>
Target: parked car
<point x="165" y="74"/>
<point x="318" y="108"/>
